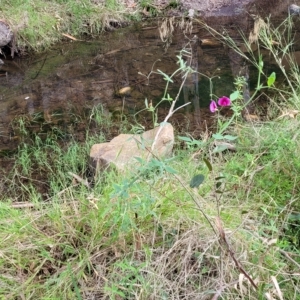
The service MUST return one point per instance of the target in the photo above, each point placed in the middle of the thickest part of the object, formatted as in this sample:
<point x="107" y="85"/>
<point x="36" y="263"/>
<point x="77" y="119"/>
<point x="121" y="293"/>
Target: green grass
<point x="39" y="24"/>
<point x="147" y="234"/>
<point x="149" y="239"/>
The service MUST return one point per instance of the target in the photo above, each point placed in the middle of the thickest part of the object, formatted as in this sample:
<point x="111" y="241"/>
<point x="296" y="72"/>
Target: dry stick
<point x="197" y="204"/>
<point x="221" y="231"/>
<point x="288" y="257"/>
<point x="222" y="288"/>
<point x="231" y="253"/>
<point x="222" y="237"/>
<point x="171" y="112"/>
<point x="80" y="179"/>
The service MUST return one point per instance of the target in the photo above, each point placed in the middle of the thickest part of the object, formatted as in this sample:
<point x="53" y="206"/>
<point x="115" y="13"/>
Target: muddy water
<point x="51" y="88"/>
<point x="57" y="88"/>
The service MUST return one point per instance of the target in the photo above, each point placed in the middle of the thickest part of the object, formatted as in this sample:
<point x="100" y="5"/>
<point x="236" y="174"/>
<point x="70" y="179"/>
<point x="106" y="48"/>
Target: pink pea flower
<point x="213" y="106"/>
<point x="224" y="101"/>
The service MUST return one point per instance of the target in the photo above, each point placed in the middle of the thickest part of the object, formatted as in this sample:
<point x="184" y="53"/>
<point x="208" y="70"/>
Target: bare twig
<point x="231" y="252"/>
<point x="80" y="179"/>
<point x="289" y="258"/>
<point x="222" y="288"/>
<point x="23" y="205"/>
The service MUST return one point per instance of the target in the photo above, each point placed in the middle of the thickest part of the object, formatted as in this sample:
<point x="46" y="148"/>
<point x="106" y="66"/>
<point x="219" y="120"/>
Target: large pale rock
<point x="121" y="151"/>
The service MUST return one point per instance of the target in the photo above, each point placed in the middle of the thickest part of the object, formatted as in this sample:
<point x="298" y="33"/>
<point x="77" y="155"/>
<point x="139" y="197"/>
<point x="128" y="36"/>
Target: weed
<point x="39" y="24"/>
<point x="219" y="224"/>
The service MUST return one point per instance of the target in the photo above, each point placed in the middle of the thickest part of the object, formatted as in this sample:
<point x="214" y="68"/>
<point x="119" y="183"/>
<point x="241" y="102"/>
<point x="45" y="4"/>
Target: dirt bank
<point x="64" y="25"/>
<point x="235" y="7"/>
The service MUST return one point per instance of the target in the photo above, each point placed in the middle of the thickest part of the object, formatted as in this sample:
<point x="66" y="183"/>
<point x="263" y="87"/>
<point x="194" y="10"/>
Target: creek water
<point x="62" y="85"/>
<point x="71" y="78"/>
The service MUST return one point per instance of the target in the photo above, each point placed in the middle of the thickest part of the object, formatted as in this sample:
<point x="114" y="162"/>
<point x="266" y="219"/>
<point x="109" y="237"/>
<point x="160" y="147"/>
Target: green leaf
<point x="260" y="63"/>
<point x="166" y="77"/>
<point x="294" y="217"/>
<point x="208" y="164"/>
<point x="230" y="137"/>
<point x="271" y="79"/>
<point x="196" y="180"/>
<point x="218" y="136"/>
<point x="235" y="95"/>
<point x="185" y="138"/>
<point x="139" y="159"/>
<point x="170" y="170"/>
<point x="218" y="184"/>
<point x="220" y="148"/>
<point x="146" y="103"/>
<point x="169" y="98"/>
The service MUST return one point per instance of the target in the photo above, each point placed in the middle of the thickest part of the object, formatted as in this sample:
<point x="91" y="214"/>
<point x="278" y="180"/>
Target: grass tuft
<point x="148" y="234"/>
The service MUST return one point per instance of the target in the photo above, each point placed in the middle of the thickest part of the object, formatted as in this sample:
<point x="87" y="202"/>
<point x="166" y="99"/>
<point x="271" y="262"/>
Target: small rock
<point x="121" y="151"/>
<point x="294" y="9"/>
<point x="191" y="13"/>
<point x="6" y="34"/>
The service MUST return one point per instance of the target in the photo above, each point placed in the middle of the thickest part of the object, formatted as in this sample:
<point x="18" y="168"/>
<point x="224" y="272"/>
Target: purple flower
<point x="224" y="101"/>
<point x="213" y="106"/>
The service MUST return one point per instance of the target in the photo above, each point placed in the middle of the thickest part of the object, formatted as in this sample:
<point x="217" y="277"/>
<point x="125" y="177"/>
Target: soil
<point x="234" y="7"/>
<point x="232" y="13"/>
<point x="211" y="6"/>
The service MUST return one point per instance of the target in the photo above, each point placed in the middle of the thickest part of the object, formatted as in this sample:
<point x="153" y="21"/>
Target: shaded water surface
<point x="57" y="88"/>
<point x="72" y="78"/>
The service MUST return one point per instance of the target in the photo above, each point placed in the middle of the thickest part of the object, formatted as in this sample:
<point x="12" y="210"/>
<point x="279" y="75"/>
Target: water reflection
<point x="76" y="76"/>
<point x="82" y="74"/>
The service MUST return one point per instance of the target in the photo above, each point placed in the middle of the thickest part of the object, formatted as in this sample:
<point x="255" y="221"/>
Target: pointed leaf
<point x="166" y="77"/>
<point x="208" y="164"/>
<point x="196" y="180"/>
<point x="235" y="95"/>
<point x="170" y="170"/>
<point x="230" y="137"/>
<point x="139" y="159"/>
<point x="218" y="136"/>
<point x="185" y="138"/>
<point x="218" y="184"/>
<point x="271" y="79"/>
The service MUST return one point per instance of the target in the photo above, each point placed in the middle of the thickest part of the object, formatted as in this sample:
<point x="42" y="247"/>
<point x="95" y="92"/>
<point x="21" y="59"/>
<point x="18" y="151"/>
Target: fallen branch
<point x="231" y="253"/>
<point x="80" y="180"/>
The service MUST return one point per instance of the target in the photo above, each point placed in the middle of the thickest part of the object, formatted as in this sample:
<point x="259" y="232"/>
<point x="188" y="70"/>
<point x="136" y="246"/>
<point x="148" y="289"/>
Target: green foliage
<point x="42" y="23"/>
<point x="191" y="142"/>
<point x="185" y="69"/>
<point x="271" y="79"/>
<point x="197" y="180"/>
<point x="152" y="233"/>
